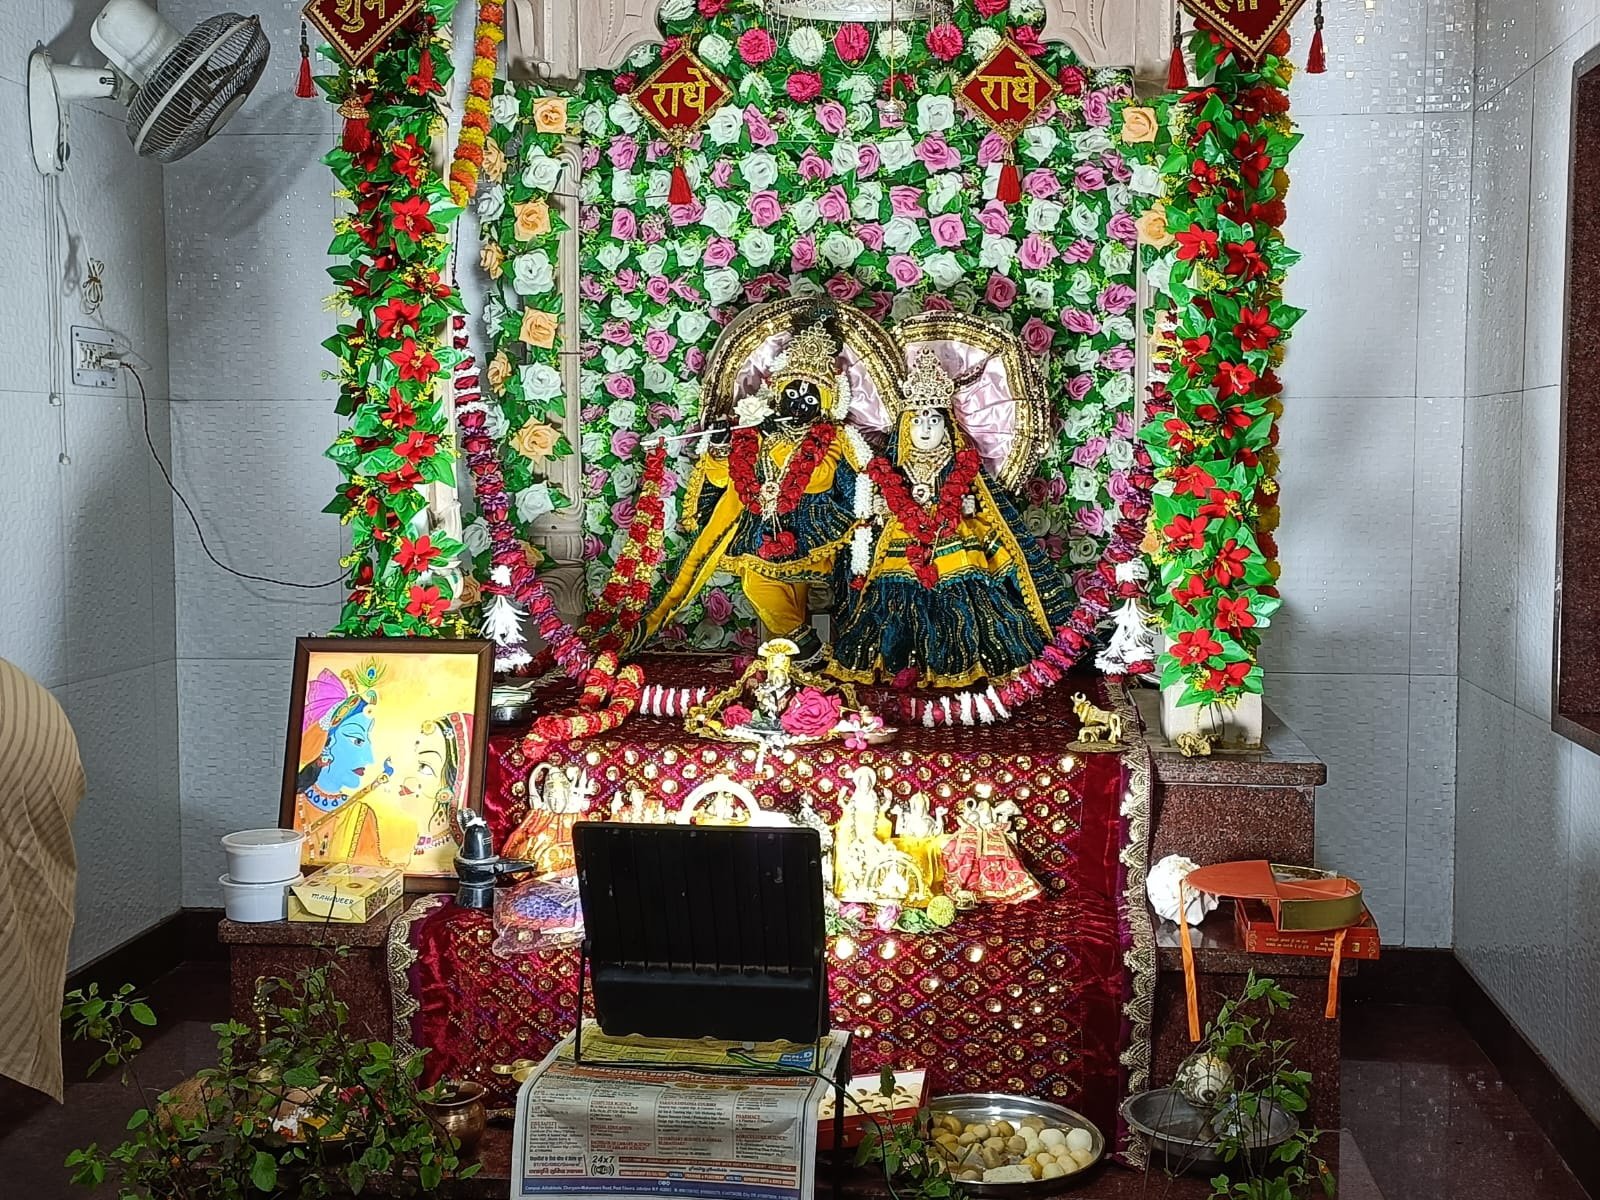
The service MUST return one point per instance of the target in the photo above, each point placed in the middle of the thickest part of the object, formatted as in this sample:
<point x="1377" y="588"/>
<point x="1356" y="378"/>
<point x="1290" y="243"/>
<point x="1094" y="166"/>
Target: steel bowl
<point x="1184" y="1137"/>
<point x="987" y="1107"/>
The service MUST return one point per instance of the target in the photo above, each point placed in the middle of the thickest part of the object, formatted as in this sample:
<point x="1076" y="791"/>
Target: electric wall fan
<point x="180" y="89"/>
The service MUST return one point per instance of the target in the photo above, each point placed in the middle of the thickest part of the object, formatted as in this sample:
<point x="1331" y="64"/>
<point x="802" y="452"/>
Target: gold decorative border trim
<point x="401" y="958"/>
<point x="1140" y="1009"/>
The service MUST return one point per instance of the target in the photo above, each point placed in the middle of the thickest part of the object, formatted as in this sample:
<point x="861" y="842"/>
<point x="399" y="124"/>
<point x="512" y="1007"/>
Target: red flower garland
<point x="797" y="472"/>
<point x="925" y="527"/>
<point x="626" y="596"/>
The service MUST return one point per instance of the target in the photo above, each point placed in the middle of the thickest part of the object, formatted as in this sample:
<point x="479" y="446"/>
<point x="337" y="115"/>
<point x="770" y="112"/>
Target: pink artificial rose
<point x="906" y="201"/>
<point x="852" y="43"/>
<point x="756" y="125"/>
<point x="1036" y="336"/>
<point x="1078" y="321"/>
<point x="736" y="716"/>
<point x="803" y="256"/>
<point x="620" y="386"/>
<point x="1037" y="252"/>
<point x="995" y="218"/>
<point x="903" y="269"/>
<point x="719" y="608"/>
<point x="1090" y="452"/>
<point x="1097" y="109"/>
<point x="843" y="288"/>
<point x="687" y="214"/>
<point x="1001" y="292"/>
<point x="1089" y="520"/>
<point x="868" y="160"/>
<point x="937" y="154"/>
<point x="627" y="280"/>
<point x="1078" y="386"/>
<point x="834" y="205"/>
<point x="871" y="235"/>
<point x="592" y="546"/>
<point x="623" y="152"/>
<point x="658" y="343"/>
<point x="804" y="86"/>
<point x="719" y="252"/>
<point x="1036" y="491"/>
<point x="831" y="115"/>
<point x="886" y="916"/>
<point x="1117" y="299"/>
<point x="879" y="305"/>
<point x="1041" y="184"/>
<point x="1089" y="178"/>
<point x="624" y="442"/>
<point x="589" y="219"/>
<point x="936" y="303"/>
<point x="686" y="291"/>
<point x="1080" y="251"/>
<point x="652" y="229"/>
<point x="948" y="230"/>
<point x="812" y="713"/>
<point x="1119" y="486"/>
<point x="991" y="150"/>
<point x="765" y="209"/>
<point x="1072" y="81"/>
<point x="945" y="42"/>
<point x="695" y="360"/>
<point x="624" y="225"/>
<point x="1123" y="229"/>
<point x="990" y="8"/>
<point x="618" y="333"/>
<point x="1118" y="358"/>
<point x="756" y="46"/>
<point x="659" y="289"/>
<point x="590" y="158"/>
<point x="1122" y="427"/>
<point x="1117" y="165"/>
<point x="813" y="167"/>
<point x="721" y="173"/>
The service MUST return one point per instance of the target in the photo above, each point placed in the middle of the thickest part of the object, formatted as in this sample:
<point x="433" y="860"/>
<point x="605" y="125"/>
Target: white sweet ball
<point x="1079" y="1140"/>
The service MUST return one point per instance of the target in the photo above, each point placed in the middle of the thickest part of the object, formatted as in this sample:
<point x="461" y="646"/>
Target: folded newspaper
<point x="711" y="1120"/>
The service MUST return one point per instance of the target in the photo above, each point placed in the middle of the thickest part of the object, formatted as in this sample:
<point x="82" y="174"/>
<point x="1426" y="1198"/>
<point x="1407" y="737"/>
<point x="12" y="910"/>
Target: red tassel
<point x="1010" y="189"/>
<point x="1317" y="60"/>
<point x="425" y="72"/>
<point x="357" y="134"/>
<point x="680" y="193"/>
<point x="303" y="86"/>
<point x="1177" y="73"/>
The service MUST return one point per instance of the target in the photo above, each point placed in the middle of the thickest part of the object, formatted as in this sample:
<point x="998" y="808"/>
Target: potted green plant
<point x="295" y="1108"/>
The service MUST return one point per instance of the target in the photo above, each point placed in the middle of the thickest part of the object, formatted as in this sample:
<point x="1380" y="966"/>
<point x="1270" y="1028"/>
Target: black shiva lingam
<point x="478" y="866"/>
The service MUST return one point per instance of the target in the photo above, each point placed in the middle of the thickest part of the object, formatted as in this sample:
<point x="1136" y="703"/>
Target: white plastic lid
<point x="261" y="839"/>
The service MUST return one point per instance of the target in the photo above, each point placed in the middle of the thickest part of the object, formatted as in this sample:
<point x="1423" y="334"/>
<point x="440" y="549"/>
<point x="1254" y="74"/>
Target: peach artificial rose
<point x="535" y="440"/>
<point x="494" y="160"/>
<point x="533" y="219"/>
<point x="550" y="114"/>
<point x="499" y="372"/>
<point x="1152" y="228"/>
<point x="492" y="259"/>
<point x="470" y="593"/>
<point x="538" y="328"/>
<point x="1139" y="125"/>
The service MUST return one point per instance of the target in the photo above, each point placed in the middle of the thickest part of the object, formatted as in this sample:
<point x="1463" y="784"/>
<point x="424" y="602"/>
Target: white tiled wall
<point x="1527" y="830"/>
<point x="87" y="536"/>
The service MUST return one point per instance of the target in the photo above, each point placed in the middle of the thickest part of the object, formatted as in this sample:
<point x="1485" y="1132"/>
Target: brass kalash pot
<point x="457" y="1108"/>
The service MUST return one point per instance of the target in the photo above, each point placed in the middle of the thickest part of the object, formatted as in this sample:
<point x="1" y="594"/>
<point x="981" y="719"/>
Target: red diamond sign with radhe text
<point x="1249" y="25"/>
<point x="357" y="29"/>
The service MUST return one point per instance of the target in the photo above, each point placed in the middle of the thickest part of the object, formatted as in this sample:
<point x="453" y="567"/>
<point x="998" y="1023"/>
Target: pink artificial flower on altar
<point x="658" y="343"/>
<point x="736" y="716"/>
<point x="1041" y="184"/>
<point x="624" y="225"/>
<point x="868" y="160"/>
<point x="1037" y="336"/>
<point x="687" y="214"/>
<point x="1123" y="228"/>
<point x="627" y="280"/>
<point x="831" y="115"/>
<point x="756" y="46"/>
<point x="1078" y="321"/>
<point x="622" y="513"/>
<point x="948" y="230"/>
<point x="1036" y="253"/>
<point x="756" y="125"/>
<point x="1089" y="178"/>
<point x="945" y="42"/>
<point x="804" y="86"/>
<point x="903" y="269"/>
<point x="1078" y="386"/>
<point x="888" y="914"/>
<point x="1089" y="520"/>
<point x="623" y="152"/>
<point x="719" y="609"/>
<point x="843" y="288"/>
<point x="871" y="235"/>
<point x="621" y="386"/>
<point x="592" y="546"/>
<point x="813" y="167"/>
<point x="937" y="154"/>
<point x="589" y="221"/>
<point x="1090" y="452"/>
<point x="812" y="713"/>
<point x="1072" y="80"/>
<point x="906" y="201"/>
<point x="695" y="359"/>
<point x="618" y="333"/>
<point x="991" y="8"/>
<point x="624" y="442"/>
<point x="653" y="229"/>
<point x="1001" y="292"/>
<point x="766" y="210"/>
<point x="852" y="43"/>
<point x="1097" y="109"/>
<point x="1118" y="358"/>
<point x="803" y="255"/>
<point x="879" y="305"/>
<point x="719" y="252"/>
<point x="834" y="206"/>
<point x="991" y="150"/>
<point x="937" y="303"/>
<point x="1080" y="251"/>
<point x="995" y="218"/>
<point x="1117" y="299"/>
<point x="659" y="289"/>
<point x="721" y="173"/>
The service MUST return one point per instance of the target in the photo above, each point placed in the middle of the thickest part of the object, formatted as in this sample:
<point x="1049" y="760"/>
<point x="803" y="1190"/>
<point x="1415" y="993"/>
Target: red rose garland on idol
<point x="926" y="527"/>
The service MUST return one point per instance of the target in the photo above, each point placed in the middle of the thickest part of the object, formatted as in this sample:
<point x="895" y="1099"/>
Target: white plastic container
<point x="255" y="902"/>
<point x="263" y="855"/>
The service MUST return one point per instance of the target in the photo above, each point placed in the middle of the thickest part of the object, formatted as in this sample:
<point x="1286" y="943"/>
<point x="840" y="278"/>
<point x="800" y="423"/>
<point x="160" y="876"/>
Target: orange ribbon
<point x="1332" y="1009"/>
<point x="1190" y="988"/>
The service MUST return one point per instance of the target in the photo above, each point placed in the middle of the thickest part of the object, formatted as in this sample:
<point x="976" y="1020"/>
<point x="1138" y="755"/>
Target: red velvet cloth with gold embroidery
<point x="1050" y="998"/>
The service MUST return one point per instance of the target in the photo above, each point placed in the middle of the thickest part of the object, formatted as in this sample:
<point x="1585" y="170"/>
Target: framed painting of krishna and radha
<point x="386" y="750"/>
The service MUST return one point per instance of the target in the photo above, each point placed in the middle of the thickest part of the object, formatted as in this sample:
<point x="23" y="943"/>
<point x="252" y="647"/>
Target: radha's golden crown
<point x="812" y="355"/>
<point x="929" y="385"/>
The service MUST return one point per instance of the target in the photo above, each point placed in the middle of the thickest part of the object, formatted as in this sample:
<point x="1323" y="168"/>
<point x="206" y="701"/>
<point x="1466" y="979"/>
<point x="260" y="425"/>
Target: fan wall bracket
<point x="51" y="87"/>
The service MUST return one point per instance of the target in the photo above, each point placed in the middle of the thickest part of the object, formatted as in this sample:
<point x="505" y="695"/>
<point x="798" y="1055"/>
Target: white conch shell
<point x="1162" y="887"/>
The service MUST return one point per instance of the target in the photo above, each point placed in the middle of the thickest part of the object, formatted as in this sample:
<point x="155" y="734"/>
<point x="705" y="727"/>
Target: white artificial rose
<point x="720" y="216"/>
<point x="1161" y="885"/>
<point x="624" y="479"/>
<point x="997" y="253"/>
<point x="1085" y="221"/>
<point x="621" y="414"/>
<point x="532" y="274"/>
<point x="1081" y="287"/>
<point x="589" y="384"/>
<point x="534" y="502"/>
<point x="624" y="115"/>
<point x="868" y="202"/>
<point x="492" y="203"/>
<point x="1160" y="274"/>
<point x="758" y="246"/>
<point x="1041" y="293"/>
<point x="759" y="170"/>
<point x="841" y="249"/>
<point x="494" y="312"/>
<point x="595" y="571"/>
<point x="982" y="41"/>
<point x="1117" y="390"/>
<point x="1085" y="484"/>
<point x="1086" y="356"/>
<point x="658" y="184"/>
<point x="945" y="191"/>
<point x="1121" y="328"/>
<point x="676" y="10"/>
<point x="644" y="55"/>
<point x="689" y="253"/>
<point x="845" y="157"/>
<point x="496" y="425"/>
<point x="803" y="212"/>
<point x="619" y="360"/>
<point x="756" y="87"/>
<point x="625" y="309"/>
<point x="804" y="285"/>
<point x="1116" y="259"/>
<point x="593" y="443"/>
<point x="905" y="304"/>
<point x="1039" y="142"/>
<point x="476" y="536"/>
<point x="1119" y="454"/>
<point x="540" y="381"/>
<point x="1043" y="216"/>
<point x="725" y="125"/>
<point x="897" y="152"/>
<point x="935" y="114"/>
<point x="901" y="233"/>
<point x="611" y="255"/>
<point x="1118" y="195"/>
<point x="624" y="188"/>
<point x="1081" y="422"/>
<point x="1083" y="550"/>
<point x="687" y="396"/>
<point x="652" y="262"/>
<point x="692" y="325"/>
<point x="708" y="635"/>
<point x="1026" y="12"/>
<point x="657" y="378"/>
<point x="594" y="120"/>
<point x="589" y="190"/>
<point x="1093" y="140"/>
<point x="723" y="285"/>
<point x="857" y="89"/>
<point x="894" y="43"/>
<point x="716" y="50"/>
<point x="944" y="269"/>
<point x="807" y="45"/>
<point x="503" y="108"/>
<point x="861" y="116"/>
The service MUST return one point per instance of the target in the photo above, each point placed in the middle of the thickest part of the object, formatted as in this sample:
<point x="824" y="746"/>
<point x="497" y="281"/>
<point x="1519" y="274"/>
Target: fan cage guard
<point x="197" y="87"/>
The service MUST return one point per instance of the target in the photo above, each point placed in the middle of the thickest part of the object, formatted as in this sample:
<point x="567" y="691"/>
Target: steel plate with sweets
<point x="1013" y="1145"/>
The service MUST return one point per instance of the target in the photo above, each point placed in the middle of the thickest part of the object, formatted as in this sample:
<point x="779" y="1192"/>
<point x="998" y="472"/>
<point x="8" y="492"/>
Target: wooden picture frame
<point x="430" y="756"/>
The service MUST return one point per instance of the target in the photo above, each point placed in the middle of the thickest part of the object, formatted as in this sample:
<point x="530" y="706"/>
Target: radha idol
<point x="773" y="500"/>
<point x="957" y="591"/>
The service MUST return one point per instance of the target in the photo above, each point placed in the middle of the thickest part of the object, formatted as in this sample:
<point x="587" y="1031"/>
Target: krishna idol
<point x="777" y="490"/>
